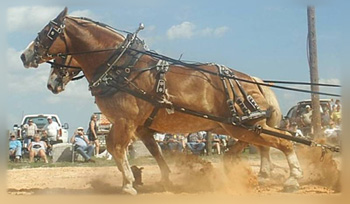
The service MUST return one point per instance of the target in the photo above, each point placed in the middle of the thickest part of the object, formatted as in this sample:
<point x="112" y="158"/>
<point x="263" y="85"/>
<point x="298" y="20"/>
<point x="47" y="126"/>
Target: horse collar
<point x="111" y="73"/>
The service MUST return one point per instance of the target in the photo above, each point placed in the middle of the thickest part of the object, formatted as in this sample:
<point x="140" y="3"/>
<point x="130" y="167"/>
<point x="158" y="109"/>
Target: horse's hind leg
<point x="117" y="142"/>
<point x="265" y="162"/>
<point x="146" y="135"/>
<point x="267" y="140"/>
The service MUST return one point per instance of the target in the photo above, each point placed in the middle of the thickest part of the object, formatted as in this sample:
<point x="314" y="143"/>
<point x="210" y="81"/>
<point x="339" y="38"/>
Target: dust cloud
<point x="319" y="168"/>
<point x="194" y="175"/>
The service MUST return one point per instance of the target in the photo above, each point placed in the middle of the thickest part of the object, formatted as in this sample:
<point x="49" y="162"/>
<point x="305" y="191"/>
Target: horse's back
<point x="276" y="114"/>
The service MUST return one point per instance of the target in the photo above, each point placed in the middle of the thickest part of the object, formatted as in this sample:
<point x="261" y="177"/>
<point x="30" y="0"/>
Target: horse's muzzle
<point x="23" y="58"/>
<point x="55" y="90"/>
<point x="28" y="59"/>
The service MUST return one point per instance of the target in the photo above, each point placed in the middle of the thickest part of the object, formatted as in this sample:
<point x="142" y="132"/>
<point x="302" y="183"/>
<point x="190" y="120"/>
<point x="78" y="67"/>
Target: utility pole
<point x="315" y="99"/>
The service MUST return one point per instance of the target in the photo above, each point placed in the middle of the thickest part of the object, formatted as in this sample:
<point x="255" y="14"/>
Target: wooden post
<point x="209" y="143"/>
<point x="315" y="100"/>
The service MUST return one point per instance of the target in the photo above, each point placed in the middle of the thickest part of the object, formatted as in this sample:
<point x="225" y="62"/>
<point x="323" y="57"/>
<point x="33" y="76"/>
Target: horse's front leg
<point x="117" y="142"/>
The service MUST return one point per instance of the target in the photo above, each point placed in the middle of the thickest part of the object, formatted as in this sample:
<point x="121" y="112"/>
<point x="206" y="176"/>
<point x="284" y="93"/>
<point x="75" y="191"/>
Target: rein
<point x="63" y="65"/>
<point x="132" y="36"/>
<point x="196" y="66"/>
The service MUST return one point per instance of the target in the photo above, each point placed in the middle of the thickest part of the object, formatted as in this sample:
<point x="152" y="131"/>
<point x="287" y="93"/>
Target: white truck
<point x="41" y="120"/>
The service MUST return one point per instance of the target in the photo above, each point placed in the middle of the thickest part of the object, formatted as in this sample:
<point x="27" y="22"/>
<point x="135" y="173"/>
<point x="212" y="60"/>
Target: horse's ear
<point x="61" y="16"/>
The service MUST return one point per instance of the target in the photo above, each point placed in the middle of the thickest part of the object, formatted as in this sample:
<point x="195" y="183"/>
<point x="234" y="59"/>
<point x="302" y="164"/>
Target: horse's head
<point x="62" y="72"/>
<point x="87" y="42"/>
<point x="50" y="41"/>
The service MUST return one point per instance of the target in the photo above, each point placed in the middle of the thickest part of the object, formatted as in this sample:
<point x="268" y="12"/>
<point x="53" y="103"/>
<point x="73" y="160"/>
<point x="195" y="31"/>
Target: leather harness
<point x="116" y="78"/>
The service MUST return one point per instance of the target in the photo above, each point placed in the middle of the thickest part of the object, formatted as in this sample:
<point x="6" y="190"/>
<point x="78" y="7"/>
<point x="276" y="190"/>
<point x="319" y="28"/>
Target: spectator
<point x="182" y="139"/>
<point x="336" y="115"/>
<point x="15" y="148"/>
<point x="159" y="137"/>
<point x="30" y="130"/>
<point x="37" y="148"/>
<point x="224" y="142"/>
<point x="52" y="130"/>
<point x="82" y="146"/>
<point x="285" y="124"/>
<point x="173" y="142"/>
<point x="92" y="134"/>
<point x="294" y="128"/>
<point x="332" y="104"/>
<point x="337" y="103"/>
<point x="196" y="143"/>
<point x="306" y="118"/>
<point x="332" y="133"/>
<point x="325" y="118"/>
<point x="217" y="143"/>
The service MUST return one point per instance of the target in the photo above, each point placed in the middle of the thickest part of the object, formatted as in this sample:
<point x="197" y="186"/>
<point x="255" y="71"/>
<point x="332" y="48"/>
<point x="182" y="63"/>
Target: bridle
<point x="42" y="46"/>
<point x="62" y="68"/>
<point x="41" y="49"/>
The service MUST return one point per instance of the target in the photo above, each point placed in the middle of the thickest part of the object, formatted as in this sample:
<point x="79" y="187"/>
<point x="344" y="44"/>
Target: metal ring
<point x="127" y="70"/>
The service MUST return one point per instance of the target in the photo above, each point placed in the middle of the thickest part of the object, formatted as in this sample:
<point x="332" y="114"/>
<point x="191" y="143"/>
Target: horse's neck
<point x="90" y="38"/>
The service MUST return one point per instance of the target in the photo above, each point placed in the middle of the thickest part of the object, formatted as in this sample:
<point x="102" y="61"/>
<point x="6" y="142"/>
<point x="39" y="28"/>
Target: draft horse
<point x="63" y="70"/>
<point x="141" y="93"/>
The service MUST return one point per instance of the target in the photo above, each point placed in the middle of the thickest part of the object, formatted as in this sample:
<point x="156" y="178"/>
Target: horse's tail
<point x="276" y="114"/>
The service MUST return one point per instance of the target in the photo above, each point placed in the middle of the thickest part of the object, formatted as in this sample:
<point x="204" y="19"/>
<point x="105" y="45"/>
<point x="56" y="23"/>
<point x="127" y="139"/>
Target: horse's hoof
<point x="263" y="180"/>
<point x="129" y="190"/>
<point x="291" y="185"/>
<point x="290" y="189"/>
<point x="264" y="175"/>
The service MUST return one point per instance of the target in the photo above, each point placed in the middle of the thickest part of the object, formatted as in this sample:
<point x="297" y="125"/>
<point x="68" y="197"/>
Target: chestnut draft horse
<point x="64" y="70"/>
<point x="139" y="93"/>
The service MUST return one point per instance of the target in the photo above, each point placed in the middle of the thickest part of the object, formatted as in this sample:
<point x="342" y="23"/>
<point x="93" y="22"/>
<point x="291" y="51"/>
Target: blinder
<point x="53" y="33"/>
<point x="41" y="46"/>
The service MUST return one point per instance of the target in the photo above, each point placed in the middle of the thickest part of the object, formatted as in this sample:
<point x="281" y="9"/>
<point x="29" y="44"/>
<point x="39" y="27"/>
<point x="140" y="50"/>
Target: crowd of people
<point x="38" y="145"/>
<point x="330" y="122"/>
<point x="195" y="143"/>
<point x="88" y="146"/>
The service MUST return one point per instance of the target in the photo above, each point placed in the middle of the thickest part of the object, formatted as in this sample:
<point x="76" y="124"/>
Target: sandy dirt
<point x="190" y="175"/>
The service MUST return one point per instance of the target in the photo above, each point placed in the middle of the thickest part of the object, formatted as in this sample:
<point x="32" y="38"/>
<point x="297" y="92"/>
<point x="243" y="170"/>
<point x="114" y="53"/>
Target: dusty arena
<point x="191" y="175"/>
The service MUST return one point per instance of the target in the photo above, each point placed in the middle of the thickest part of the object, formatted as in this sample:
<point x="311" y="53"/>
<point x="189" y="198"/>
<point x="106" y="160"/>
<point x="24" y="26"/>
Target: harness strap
<point x="229" y="101"/>
<point x="162" y="67"/>
<point x="158" y="104"/>
<point x="161" y="104"/>
<point x="151" y="117"/>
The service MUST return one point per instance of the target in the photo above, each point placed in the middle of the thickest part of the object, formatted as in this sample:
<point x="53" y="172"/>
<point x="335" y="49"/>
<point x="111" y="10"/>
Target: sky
<point x="266" y="39"/>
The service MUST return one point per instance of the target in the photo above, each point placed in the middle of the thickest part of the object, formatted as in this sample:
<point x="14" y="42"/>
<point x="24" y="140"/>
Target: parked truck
<point x="41" y="120"/>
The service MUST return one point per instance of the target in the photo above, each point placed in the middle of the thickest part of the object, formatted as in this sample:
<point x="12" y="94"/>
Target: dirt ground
<point x="190" y="175"/>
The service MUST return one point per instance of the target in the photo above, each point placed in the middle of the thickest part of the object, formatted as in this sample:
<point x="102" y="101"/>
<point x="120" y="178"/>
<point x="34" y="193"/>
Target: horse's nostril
<point x="23" y="57"/>
<point x="49" y="87"/>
